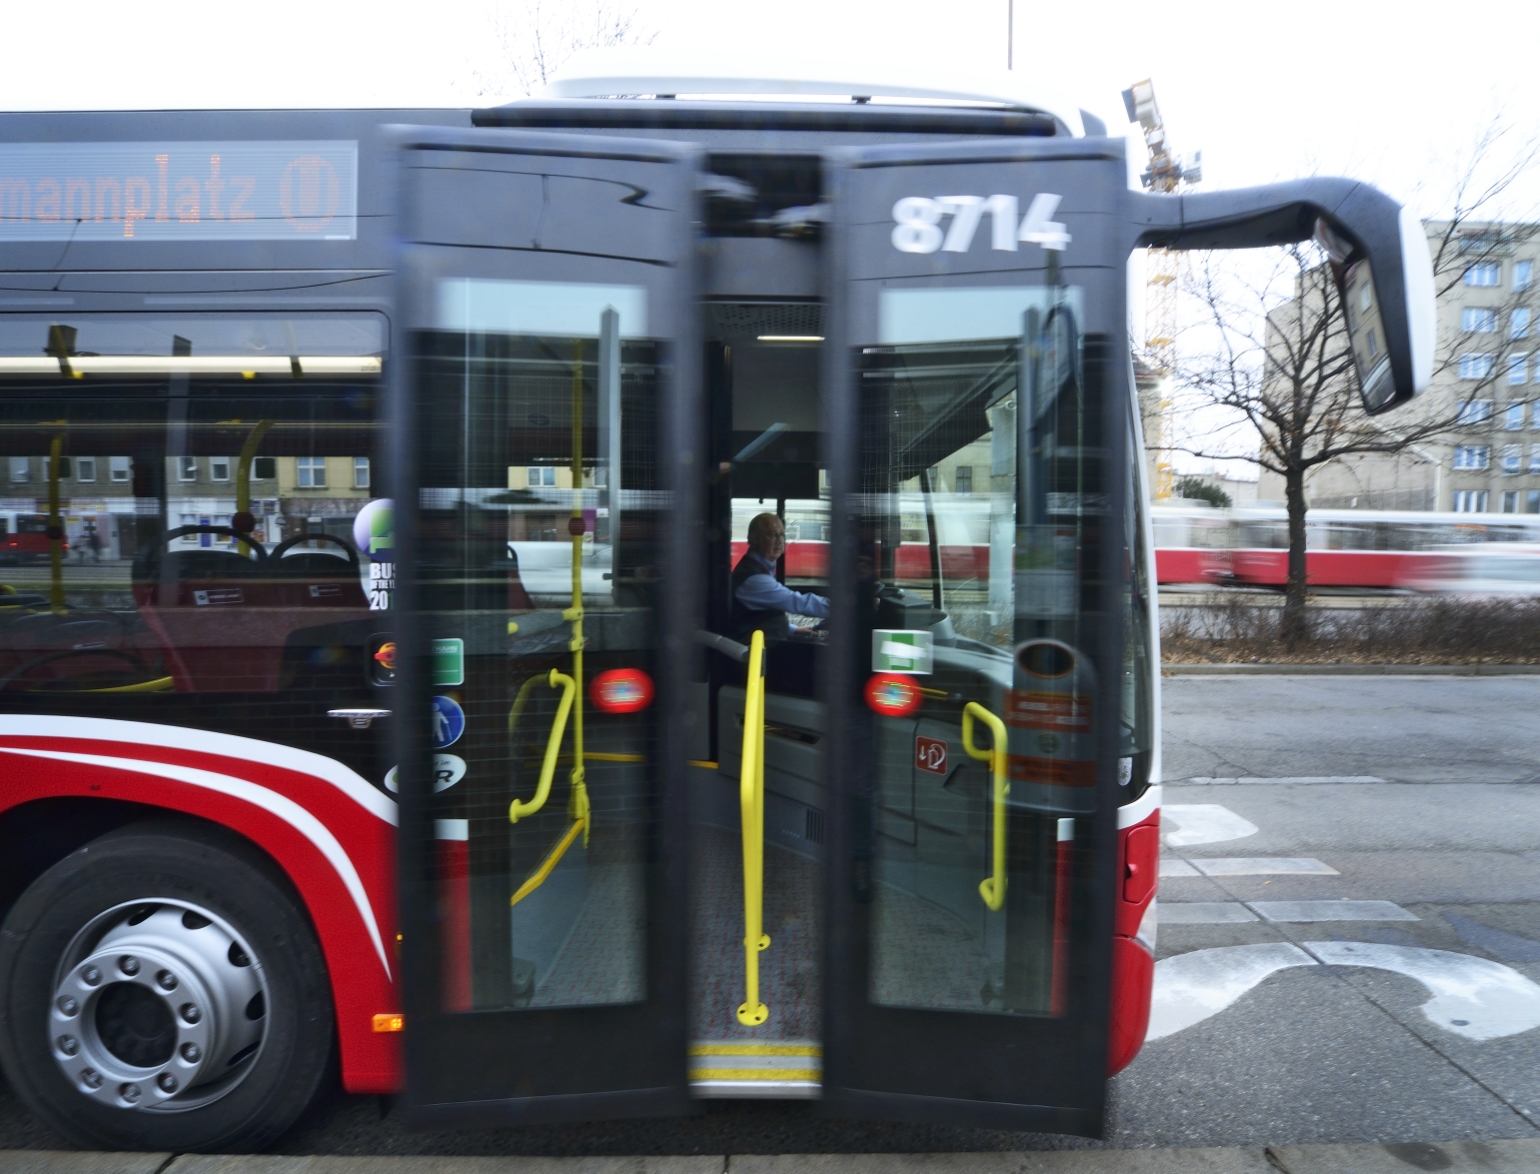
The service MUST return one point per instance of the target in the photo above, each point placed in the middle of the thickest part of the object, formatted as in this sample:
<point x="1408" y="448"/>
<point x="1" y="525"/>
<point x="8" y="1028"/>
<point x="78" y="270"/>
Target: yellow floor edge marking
<point x="755" y="1050"/>
<point x="774" y="1075"/>
<point x="605" y="756"/>
<point x="537" y="878"/>
<point x="703" y="764"/>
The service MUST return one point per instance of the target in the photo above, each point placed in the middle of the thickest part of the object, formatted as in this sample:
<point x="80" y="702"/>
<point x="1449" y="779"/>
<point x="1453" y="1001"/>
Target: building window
<point x="219" y="468"/>
<point x="1471" y="456"/>
<point x="962" y="479"/>
<point x="1522" y="271"/>
<point x="312" y="472"/>
<point x="542" y="475"/>
<point x="1475" y="366"/>
<point x="1477" y="411"/>
<point x="120" y="469"/>
<point x="20" y="470"/>
<point x="1470" y="501"/>
<point x="1518" y="323"/>
<point x="1474" y="321"/>
<point x="85" y="468"/>
<point x="264" y="468"/>
<point x="1513" y="418"/>
<point x="360" y="472"/>
<point x="1532" y="501"/>
<point x="1513" y="459"/>
<point x="1486" y="273"/>
<point x="187" y="468"/>
<point x="1534" y="458"/>
<point x="1510" y="501"/>
<point x="1518" y="371"/>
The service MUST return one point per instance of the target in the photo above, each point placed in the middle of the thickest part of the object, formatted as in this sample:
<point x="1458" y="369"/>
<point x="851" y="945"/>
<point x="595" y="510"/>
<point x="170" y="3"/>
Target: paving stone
<point x="79" y="1162"/>
<point x="1451" y="1157"/>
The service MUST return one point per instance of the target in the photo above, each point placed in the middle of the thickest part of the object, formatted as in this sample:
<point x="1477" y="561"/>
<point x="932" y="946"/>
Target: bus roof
<point x="634" y="71"/>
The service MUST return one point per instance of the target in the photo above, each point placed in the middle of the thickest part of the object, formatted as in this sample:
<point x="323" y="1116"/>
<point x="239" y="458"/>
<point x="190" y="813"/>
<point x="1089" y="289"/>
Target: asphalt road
<point x="1340" y="961"/>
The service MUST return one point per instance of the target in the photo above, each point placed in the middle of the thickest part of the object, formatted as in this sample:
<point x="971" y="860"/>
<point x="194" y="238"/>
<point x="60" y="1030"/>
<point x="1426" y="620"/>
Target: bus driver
<point x="760" y="601"/>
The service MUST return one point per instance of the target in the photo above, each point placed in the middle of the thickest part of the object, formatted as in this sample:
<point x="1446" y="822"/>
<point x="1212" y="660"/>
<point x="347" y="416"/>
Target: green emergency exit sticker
<point x="449" y="661"/>
<point x="902" y="650"/>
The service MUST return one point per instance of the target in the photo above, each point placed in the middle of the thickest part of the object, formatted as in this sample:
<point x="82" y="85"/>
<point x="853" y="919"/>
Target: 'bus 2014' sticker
<point x="448" y="769"/>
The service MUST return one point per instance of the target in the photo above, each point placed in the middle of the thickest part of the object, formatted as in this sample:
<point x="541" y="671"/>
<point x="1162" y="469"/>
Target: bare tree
<point x="529" y="40"/>
<point x="1276" y="360"/>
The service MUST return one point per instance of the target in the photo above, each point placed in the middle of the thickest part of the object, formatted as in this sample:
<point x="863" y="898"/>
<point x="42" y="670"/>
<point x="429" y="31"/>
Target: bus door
<point x="543" y="429"/>
<point x="975" y="375"/>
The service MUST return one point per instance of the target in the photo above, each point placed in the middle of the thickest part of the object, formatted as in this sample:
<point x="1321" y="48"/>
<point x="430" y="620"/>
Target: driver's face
<point x="774" y="545"/>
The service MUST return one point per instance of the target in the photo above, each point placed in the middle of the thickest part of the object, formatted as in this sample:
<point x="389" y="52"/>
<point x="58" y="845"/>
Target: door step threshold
<point x="779" y="1069"/>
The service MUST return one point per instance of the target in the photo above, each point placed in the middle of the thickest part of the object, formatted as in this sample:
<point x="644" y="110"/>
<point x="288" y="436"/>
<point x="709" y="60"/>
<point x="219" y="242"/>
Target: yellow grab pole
<point x="577" y="806"/>
<point x="520" y="808"/>
<point x="55" y="525"/>
<point x="243" y="475"/>
<point x="751" y="798"/>
<point x="991" y="888"/>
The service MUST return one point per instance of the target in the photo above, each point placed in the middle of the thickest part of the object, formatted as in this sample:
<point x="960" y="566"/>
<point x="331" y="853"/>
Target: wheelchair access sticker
<point x="448" y="722"/>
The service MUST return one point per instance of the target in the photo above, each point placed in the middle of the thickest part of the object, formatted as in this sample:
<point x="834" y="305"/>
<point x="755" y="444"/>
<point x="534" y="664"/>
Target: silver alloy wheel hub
<point x="157" y="1005"/>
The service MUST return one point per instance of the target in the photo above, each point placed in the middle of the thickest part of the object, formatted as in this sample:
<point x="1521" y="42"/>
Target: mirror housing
<point x="1372" y="241"/>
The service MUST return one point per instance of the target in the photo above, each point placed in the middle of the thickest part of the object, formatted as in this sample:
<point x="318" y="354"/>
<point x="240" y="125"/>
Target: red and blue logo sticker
<point x="621" y="691"/>
<point x="892" y="695"/>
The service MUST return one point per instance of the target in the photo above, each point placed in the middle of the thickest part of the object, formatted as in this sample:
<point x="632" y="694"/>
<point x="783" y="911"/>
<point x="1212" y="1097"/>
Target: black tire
<point x="189" y="864"/>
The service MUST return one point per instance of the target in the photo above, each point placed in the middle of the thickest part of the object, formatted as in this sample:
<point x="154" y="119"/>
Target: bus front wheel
<point x="160" y="989"/>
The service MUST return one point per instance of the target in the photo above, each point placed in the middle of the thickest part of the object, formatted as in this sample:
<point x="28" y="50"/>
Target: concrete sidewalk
<point x="1460" y="1157"/>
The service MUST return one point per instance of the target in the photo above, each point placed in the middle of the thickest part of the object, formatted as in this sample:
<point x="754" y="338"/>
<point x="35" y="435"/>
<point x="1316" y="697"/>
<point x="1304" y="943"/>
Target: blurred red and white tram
<point x="1375" y="549"/>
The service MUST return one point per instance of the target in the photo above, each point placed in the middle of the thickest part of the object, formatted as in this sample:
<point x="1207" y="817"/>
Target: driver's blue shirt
<point x="763" y="592"/>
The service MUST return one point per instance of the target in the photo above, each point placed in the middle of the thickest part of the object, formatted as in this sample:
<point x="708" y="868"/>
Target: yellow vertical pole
<point x="578" y="806"/>
<point x="243" y="474"/>
<point x="751" y="798"/>
<point x="55" y="525"/>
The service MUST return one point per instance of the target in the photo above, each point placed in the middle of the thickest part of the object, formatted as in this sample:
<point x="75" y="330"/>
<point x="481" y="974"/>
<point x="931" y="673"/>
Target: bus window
<point x="536" y="562"/>
<point x="988" y="572"/>
<point x="183" y="569"/>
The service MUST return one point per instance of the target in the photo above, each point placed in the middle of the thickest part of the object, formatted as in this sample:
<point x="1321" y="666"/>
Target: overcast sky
<point x="1379" y="90"/>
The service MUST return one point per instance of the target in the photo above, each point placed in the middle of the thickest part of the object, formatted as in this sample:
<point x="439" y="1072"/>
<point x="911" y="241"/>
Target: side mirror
<point x="1379" y="256"/>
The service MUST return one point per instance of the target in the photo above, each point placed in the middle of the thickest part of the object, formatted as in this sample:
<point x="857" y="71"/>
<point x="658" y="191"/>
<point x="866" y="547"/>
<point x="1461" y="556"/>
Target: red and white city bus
<point x="403" y="721"/>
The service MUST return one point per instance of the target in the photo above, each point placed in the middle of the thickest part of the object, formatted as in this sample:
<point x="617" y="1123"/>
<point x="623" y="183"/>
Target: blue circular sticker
<point x="448" y="722"/>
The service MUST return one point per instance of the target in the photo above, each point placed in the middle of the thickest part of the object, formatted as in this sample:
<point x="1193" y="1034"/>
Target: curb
<point x="1349" y="670"/>
<point x="1457" y="1157"/>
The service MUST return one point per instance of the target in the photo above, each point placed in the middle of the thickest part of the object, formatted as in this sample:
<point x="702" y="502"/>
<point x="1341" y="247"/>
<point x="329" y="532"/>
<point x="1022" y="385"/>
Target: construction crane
<point x="1165" y="173"/>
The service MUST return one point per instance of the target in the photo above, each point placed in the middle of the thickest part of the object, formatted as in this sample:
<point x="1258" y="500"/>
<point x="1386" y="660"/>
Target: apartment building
<point x="1486" y="381"/>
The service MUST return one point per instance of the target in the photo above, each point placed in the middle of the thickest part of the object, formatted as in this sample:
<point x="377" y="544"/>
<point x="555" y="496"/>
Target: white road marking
<point x="1193" y="987"/>
<point x="1204" y="823"/>
<point x="1204" y="913"/>
<point x="1248" y="866"/>
<point x="1203" y="780"/>
<point x="1471" y="996"/>
<point x="1332" y="911"/>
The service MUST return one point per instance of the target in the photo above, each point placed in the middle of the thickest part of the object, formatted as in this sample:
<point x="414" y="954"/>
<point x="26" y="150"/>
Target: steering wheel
<point x="251" y="543"/>
<point x="11" y="677"/>
<point x="278" y="551"/>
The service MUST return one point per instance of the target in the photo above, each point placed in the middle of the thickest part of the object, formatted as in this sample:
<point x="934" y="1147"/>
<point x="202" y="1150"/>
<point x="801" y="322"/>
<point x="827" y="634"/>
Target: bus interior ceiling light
<point x="789" y="338"/>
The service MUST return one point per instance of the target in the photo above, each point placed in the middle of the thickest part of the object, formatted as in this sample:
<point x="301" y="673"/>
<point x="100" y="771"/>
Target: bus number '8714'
<point x="917" y="223"/>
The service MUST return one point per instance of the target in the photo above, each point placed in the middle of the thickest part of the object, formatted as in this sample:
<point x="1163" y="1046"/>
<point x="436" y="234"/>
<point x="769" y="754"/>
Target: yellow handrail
<point x="991" y="888"/>
<point x="577" y="806"/>
<point x="751" y="797"/>
<point x="55" y="527"/>
<point x="568" y="687"/>
<point x="552" y="859"/>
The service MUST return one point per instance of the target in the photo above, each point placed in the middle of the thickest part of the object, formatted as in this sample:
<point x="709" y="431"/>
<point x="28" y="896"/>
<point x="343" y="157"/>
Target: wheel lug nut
<point x="128" y="964"/>
<point x="190" y="1013"/>
<point x="68" y="1044"/>
<point x="192" y="1053"/>
<point x="167" y="980"/>
<point x="129" y="1092"/>
<point x="90" y="976"/>
<point x="91" y="1078"/>
<point x="166" y="1081"/>
<point x="67" y="1005"/>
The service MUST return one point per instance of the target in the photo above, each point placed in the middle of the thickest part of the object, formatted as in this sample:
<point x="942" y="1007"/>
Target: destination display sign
<point x="179" y="191"/>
